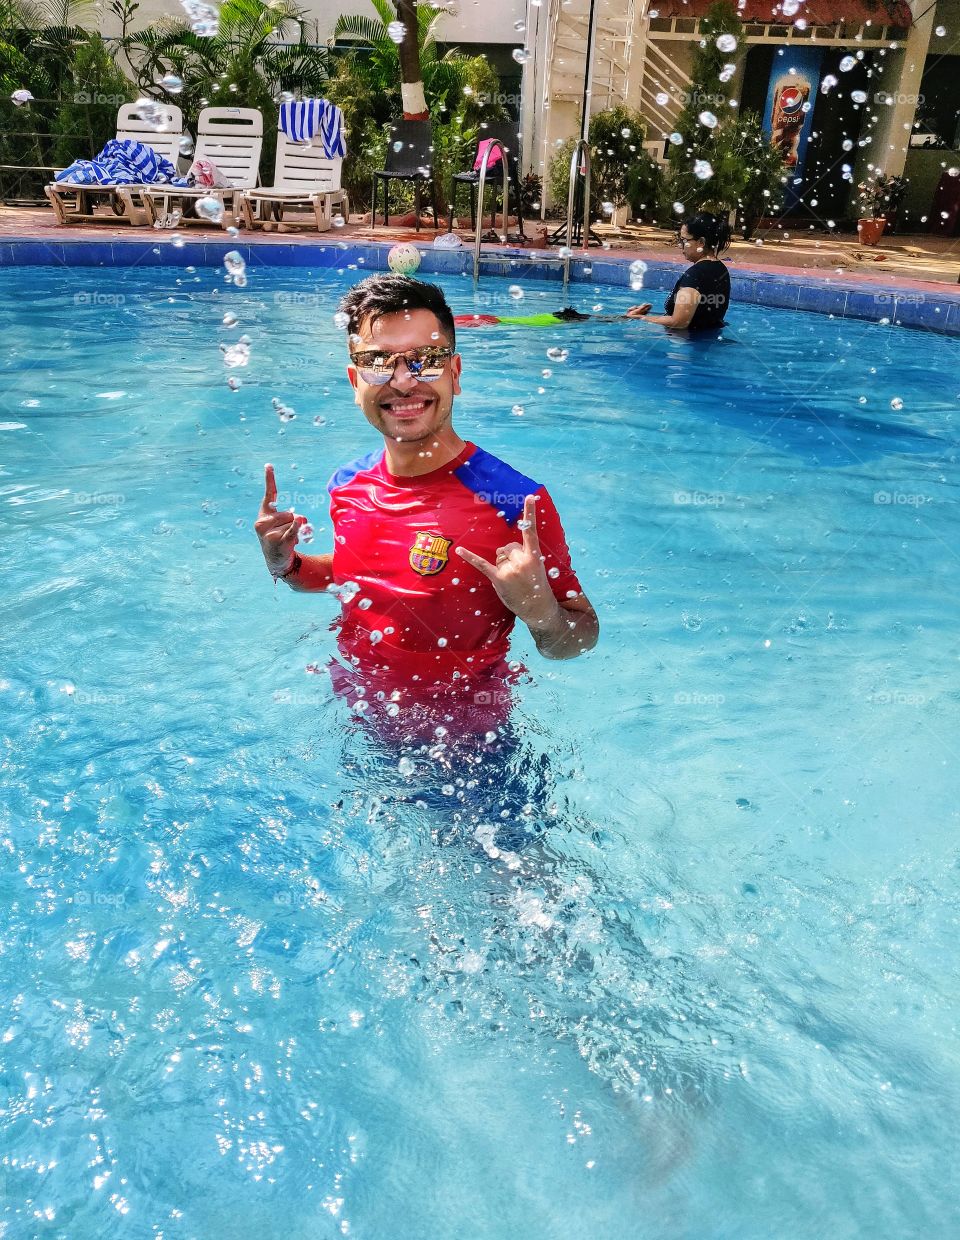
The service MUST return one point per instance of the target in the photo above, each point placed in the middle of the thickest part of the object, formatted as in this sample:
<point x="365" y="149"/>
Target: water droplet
<point x="235" y="354"/>
<point x="319" y="420"/>
<point x="305" y="533"/>
<point x="708" y="119"/>
<point x="233" y="383"/>
<point x="547" y="373"/>
<point x="663" y="99"/>
<point x="556" y="354"/>
<point x="375" y="636"/>
<point x="178" y="243"/>
<point x="939" y="31"/>
<point x="637" y="273"/>
<point x="896" y="403"/>
<point x="858" y="96"/>
<point x="210" y="208"/>
<point x="234" y="263"/>
<point x="441" y="641"/>
<point x="848" y="63"/>
<point x="398" y="147"/>
<point x="341" y="320"/>
<point x="726" y="43"/>
<point x="171" y="83"/>
<point x="607" y="208"/>
<point x="553" y="573"/>
<point x="516" y="292"/>
<point x="230" y="319"/>
<point x="702" y="169"/>
<point x="517" y="410"/>
<point x="676" y="138"/>
<point x="679" y="208"/>
<point x="520" y="55"/>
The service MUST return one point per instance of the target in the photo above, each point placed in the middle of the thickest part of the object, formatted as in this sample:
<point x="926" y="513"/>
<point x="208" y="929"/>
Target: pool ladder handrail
<point x="576" y="168"/>
<point x="494" y="144"/>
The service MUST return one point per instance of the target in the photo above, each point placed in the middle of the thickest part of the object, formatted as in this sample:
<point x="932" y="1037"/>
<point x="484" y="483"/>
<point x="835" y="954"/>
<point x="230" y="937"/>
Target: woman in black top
<point x="701" y="296"/>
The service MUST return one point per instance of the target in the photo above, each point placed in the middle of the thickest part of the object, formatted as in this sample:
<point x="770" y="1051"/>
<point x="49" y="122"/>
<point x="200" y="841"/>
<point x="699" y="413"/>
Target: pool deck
<point x="910" y="280"/>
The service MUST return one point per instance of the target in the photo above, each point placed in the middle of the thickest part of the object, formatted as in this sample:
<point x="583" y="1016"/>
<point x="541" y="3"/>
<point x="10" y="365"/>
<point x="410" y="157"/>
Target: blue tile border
<point x="923" y="309"/>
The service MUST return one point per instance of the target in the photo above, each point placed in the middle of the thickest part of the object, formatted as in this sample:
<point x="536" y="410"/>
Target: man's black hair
<point x="384" y="294"/>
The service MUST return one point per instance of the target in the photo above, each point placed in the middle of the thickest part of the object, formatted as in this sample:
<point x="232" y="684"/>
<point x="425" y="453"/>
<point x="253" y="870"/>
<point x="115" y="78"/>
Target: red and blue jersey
<point x="419" y="610"/>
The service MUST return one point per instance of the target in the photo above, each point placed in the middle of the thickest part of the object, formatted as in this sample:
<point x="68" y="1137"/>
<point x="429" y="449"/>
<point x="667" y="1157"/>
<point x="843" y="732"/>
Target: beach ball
<point x="404" y="259"/>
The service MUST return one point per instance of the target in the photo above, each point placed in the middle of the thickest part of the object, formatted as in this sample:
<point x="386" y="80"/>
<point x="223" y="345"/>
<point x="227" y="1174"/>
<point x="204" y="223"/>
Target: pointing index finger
<point x="531" y="539"/>
<point x="270" y="488"/>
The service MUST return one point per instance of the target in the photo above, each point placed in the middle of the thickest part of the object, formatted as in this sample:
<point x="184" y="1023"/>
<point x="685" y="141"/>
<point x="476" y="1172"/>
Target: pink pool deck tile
<point x="921" y="263"/>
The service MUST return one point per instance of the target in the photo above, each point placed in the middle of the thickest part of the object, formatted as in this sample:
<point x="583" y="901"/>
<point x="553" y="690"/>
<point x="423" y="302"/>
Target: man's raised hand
<point x="518" y="576"/>
<point x="277" y="531"/>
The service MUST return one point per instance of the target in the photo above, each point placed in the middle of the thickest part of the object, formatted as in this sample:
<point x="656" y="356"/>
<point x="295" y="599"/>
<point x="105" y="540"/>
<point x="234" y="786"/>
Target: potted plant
<point x="879" y="197"/>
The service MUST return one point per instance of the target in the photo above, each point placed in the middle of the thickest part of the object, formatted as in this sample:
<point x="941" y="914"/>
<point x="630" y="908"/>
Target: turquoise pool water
<point x="258" y="982"/>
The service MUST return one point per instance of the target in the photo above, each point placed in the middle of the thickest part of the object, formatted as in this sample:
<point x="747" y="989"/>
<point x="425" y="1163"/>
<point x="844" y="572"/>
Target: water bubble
<point x="490" y="737"/>
<point x="338" y="221"/>
<point x="177" y="242"/>
<point x="565" y="252"/>
<point x="727" y="72"/>
<point x="726" y="43"/>
<point x="896" y="403"/>
<point x="790" y="7"/>
<point x="518" y="411"/>
<point x="953" y="172"/>
<point x="939" y="31"/>
<point x="520" y="25"/>
<point x="341" y="320"/>
<point x="396" y="31"/>
<point x="678" y="208"/>
<point x="235" y="354"/>
<point x="693" y="623"/>
<point x="637" y="273"/>
<point x="607" y="208"/>
<point x="520" y="55"/>
<point x="702" y="169"/>
<point x="858" y="96"/>
<point x="663" y="99"/>
<point x="441" y="642"/>
<point x="553" y="573"/>
<point x="365" y="603"/>
<point x="547" y="373"/>
<point x="847" y="144"/>
<point x="230" y="319"/>
<point x="185" y="145"/>
<point x="319" y="420"/>
<point x="171" y="83"/>
<point x="556" y="354"/>
<point x="233" y="383"/>
<point x="848" y="63"/>
<point x="398" y="146"/>
<point x="239" y="280"/>
<point x="676" y="138"/>
<point x="406" y="766"/>
<point x="516" y="292"/>
<point x="210" y="208"/>
<point x="708" y="119"/>
<point x="152" y="113"/>
<point x="827" y="84"/>
<point x="234" y="263"/>
<point x="21" y="97"/>
<point x="375" y="636"/>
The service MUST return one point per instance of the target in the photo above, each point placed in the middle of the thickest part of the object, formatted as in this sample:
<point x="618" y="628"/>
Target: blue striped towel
<point x="314" y="121"/>
<point x="123" y="162"/>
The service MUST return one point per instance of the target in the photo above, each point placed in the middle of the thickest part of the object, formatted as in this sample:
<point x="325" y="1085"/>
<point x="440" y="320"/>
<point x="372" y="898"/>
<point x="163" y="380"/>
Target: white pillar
<point x="898" y="88"/>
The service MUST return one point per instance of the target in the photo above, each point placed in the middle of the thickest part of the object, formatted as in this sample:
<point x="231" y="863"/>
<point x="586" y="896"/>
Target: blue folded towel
<point x="302" y="120"/>
<point x="123" y="162"/>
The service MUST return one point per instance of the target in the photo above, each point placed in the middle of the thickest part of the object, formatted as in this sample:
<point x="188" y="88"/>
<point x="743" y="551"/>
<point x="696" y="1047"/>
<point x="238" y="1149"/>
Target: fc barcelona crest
<point x="429" y="553"/>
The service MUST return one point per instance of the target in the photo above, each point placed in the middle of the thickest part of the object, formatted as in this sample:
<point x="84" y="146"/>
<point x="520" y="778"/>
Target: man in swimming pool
<point x="439" y="547"/>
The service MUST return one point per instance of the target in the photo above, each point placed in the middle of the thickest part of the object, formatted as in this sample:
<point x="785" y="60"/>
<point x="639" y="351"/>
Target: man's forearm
<point x="315" y="573"/>
<point x="564" y="634"/>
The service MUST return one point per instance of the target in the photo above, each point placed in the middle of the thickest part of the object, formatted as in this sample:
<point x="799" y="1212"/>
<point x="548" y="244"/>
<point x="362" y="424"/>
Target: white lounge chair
<point x="162" y="130"/>
<point x="232" y="139"/>
<point x="303" y="177"/>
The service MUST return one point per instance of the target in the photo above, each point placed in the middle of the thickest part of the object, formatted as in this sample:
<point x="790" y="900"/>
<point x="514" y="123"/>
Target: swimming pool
<point x="252" y="988"/>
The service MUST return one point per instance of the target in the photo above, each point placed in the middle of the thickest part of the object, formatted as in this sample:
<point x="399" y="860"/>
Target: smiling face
<point x="405" y="409"/>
